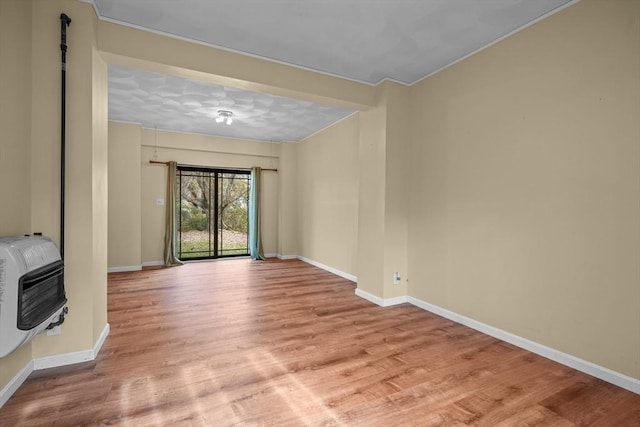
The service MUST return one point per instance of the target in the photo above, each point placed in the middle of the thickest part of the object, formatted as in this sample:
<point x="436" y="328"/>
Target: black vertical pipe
<point x="65" y="21"/>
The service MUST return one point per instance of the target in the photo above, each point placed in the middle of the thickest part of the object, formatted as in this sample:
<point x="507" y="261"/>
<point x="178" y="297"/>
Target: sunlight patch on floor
<point x="297" y="398"/>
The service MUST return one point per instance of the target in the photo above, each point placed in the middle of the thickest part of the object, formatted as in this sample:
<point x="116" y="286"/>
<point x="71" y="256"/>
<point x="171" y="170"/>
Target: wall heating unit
<point x="32" y="295"/>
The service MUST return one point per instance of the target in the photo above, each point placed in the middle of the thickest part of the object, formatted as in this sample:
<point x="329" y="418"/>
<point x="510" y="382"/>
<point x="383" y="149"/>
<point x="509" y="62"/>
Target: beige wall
<point x="396" y="221"/>
<point x="100" y="193"/>
<point x="15" y="107"/>
<point x="384" y="193"/>
<point x="327" y="196"/>
<point x="30" y="75"/>
<point x="371" y="199"/>
<point x="525" y="205"/>
<point x="125" y="221"/>
<point x="288" y="200"/>
<point x="202" y="150"/>
<point x="86" y="189"/>
<point x="15" y="123"/>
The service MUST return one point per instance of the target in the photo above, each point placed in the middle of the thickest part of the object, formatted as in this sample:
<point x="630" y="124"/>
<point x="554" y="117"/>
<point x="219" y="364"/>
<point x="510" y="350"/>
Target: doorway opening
<point x="213" y="212"/>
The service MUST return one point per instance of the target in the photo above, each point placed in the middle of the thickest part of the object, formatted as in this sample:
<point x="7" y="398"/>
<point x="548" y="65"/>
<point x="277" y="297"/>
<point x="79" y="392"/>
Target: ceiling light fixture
<point x="224" y="116"/>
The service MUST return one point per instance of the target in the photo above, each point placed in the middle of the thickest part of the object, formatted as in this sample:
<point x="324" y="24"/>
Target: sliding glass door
<point x="213" y="213"/>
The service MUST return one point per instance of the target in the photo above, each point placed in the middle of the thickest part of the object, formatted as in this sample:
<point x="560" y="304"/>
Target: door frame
<point x="215" y="171"/>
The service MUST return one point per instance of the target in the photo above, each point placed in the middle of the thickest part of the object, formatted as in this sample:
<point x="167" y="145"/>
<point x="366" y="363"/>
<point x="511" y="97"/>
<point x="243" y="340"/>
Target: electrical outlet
<point x="160" y="202"/>
<point x="396" y="278"/>
<point x="56" y="330"/>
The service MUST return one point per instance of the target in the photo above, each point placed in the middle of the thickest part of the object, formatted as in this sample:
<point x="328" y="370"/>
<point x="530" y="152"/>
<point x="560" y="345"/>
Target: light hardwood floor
<point x="286" y="344"/>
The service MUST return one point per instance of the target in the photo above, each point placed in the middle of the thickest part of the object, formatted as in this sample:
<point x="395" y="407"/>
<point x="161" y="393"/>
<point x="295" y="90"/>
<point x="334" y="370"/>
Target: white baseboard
<point x="124" y="269"/>
<point x="72" y="358"/>
<point x="382" y="302"/>
<point x="329" y="269"/>
<point x="271" y="255"/>
<point x="101" y="339"/>
<point x="152" y="263"/>
<point x="395" y="301"/>
<point x="52" y="362"/>
<point x="320" y="265"/>
<point x="15" y="383"/>
<point x="605" y="374"/>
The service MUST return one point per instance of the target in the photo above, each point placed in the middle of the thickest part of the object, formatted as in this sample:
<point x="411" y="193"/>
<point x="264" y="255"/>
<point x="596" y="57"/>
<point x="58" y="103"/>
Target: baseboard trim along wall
<point x="72" y="358"/>
<point x="382" y="302"/>
<point x="52" y="362"/>
<point x="15" y="383"/>
<point x="152" y="263"/>
<point x="124" y="269"/>
<point x="605" y="374"/>
<point x="329" y="269"/>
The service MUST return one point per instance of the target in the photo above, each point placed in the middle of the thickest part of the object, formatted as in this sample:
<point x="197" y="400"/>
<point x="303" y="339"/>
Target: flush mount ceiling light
<point x="224" y="116"/>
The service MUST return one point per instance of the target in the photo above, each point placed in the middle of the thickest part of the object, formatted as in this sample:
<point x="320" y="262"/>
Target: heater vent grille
<point x="41" y="293"/>
<point x="32" y="294"/>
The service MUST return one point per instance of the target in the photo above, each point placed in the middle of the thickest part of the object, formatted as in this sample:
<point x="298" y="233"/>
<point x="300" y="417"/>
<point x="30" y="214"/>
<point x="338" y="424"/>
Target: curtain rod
<point x="167" y="163"/>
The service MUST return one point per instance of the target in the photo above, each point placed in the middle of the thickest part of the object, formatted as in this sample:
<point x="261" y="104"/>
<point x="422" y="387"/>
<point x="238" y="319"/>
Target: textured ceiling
<point x="364" y="40"/>
<point x="183" y="105"/>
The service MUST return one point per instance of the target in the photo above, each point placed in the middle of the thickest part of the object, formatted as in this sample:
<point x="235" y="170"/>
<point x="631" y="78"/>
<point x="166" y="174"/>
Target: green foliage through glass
<point x="213" y="213"/>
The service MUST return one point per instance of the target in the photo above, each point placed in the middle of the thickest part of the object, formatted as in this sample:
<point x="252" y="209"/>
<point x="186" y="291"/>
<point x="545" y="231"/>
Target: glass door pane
<point x="233" y="214"/>
<point x="213" y="213"/>
<point x="195" y="215"/>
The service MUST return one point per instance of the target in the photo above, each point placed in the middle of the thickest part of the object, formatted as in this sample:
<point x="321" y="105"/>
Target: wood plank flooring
<point x="283" y="343"/>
